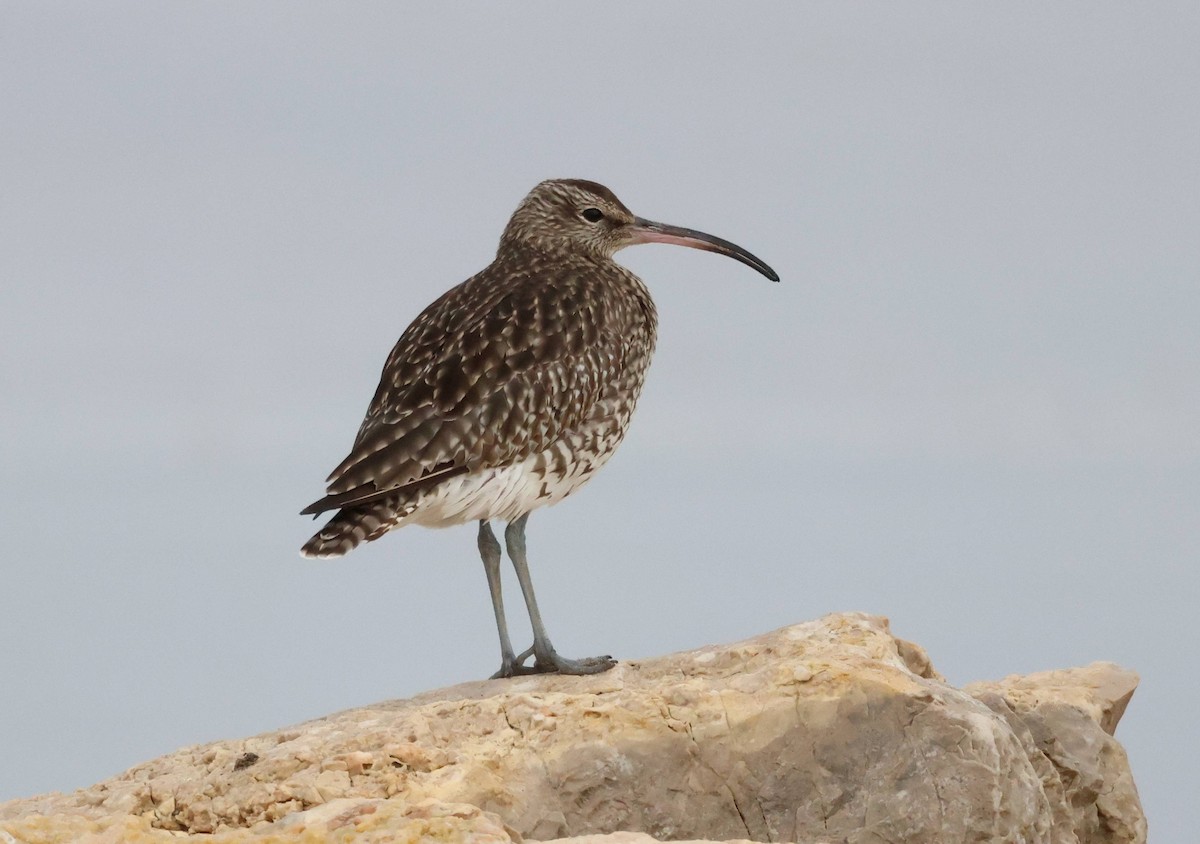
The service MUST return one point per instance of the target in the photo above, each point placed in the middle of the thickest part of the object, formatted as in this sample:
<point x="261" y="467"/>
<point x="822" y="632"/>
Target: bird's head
<point x="581" y="217"/>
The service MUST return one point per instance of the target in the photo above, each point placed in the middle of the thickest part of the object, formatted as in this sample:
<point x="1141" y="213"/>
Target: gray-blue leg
<point x="546" y="658"/>
<point x="489" y="550"/>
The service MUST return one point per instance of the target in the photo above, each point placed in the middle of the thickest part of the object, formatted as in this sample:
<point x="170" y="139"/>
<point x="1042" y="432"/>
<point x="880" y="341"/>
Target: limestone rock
<point x="1055" y="714"/>
<point x="829" y="731"/>
<point x="337" y="822"/>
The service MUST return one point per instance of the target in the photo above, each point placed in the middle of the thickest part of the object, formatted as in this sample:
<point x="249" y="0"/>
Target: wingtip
<point x="309" y="554"/>
<point x="318" y="507"/>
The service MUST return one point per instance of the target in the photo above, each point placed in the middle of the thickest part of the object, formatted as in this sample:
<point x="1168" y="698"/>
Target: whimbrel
<point x="510" y="391"/>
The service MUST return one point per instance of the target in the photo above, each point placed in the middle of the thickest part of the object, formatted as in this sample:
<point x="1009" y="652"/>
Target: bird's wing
<point x="489" y="374"/>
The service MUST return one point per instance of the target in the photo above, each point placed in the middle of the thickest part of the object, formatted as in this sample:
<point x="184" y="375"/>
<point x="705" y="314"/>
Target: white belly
<point x="504" y="493"/>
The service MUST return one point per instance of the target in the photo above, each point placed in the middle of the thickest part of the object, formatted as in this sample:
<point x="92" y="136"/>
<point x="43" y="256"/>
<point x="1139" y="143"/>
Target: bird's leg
<point x="489" y="550"/>
<point x="546" y="658"/>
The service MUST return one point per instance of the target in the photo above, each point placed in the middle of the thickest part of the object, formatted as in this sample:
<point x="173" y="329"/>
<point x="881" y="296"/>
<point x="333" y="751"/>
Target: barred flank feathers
<point x="353" y="526"/>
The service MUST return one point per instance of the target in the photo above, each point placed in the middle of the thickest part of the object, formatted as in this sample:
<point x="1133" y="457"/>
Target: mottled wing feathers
<point x="367" y="493"/>
<point x="492" y="372"/>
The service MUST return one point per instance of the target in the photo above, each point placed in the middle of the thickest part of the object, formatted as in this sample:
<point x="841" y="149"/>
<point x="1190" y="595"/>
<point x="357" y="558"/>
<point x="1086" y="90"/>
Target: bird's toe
<point x="555" y="664"/>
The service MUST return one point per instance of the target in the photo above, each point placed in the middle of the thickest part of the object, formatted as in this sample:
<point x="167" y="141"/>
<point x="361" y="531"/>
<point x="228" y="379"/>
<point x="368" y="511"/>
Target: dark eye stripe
<point x="593" y="215"/>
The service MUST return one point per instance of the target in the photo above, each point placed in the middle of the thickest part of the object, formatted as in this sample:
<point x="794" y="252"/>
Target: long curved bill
<point x="648" y="231"/>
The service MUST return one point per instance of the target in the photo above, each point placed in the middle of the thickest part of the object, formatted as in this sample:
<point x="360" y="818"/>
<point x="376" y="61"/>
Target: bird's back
<point x="537" y="361"/>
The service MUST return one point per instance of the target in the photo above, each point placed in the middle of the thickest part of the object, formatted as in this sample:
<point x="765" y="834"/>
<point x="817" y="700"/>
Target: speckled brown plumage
<point x="501" y="367"/>
<point x="510" y="390"/>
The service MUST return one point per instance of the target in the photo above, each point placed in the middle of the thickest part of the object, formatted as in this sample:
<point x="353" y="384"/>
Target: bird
<point x="509" y="392"/>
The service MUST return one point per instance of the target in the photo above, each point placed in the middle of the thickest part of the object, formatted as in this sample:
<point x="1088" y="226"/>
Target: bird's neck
<point x="549" y="251"/>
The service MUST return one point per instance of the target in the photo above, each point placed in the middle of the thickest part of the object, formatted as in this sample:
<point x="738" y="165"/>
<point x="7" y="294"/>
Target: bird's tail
<point x="353" y="526"/>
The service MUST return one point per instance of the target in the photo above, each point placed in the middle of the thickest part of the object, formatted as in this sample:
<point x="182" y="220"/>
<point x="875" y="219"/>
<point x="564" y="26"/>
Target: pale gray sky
<point x="972" y="405"/>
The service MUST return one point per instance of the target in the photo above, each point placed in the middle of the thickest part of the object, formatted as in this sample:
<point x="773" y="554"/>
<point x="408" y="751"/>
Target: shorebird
<point x="510" y="391"/>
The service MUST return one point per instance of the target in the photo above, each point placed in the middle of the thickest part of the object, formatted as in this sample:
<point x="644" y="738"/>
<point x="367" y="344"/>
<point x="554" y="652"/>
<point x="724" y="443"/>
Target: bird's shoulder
<point x="523" y="312"/>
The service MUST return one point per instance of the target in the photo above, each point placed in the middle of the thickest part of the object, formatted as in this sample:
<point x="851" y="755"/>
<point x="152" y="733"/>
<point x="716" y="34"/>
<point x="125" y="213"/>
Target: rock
<point x="1065" y="720"/>
<point x="830" y="731"/>
<point x="343" y="820"/>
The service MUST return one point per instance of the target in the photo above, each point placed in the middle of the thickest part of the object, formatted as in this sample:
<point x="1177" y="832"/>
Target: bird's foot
<point x="512" y="666"/>
<point x="549" y="662"/>
<point x="555" y="664"/>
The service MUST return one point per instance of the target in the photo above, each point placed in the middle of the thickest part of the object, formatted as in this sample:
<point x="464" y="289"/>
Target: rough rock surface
<point x="829" y="731"/>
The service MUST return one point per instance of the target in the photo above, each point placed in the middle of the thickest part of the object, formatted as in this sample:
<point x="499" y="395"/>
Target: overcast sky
<point x="972" y="405"/>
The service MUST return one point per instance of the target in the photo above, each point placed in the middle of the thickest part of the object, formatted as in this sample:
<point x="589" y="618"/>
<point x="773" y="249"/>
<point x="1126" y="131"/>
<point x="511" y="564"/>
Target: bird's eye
<point x="593" y="215"/>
